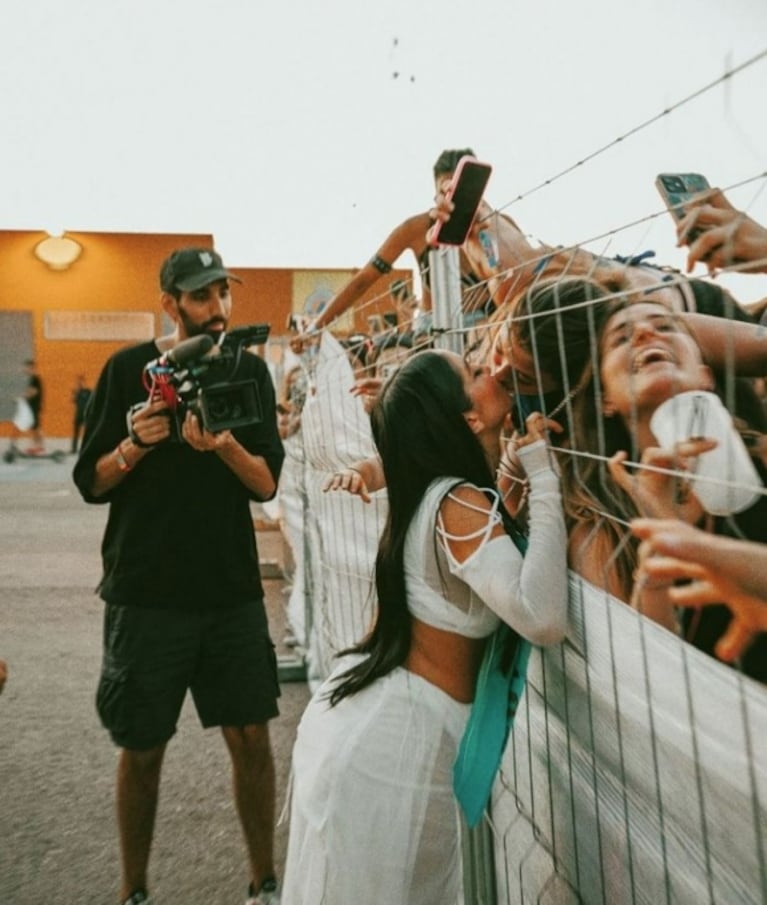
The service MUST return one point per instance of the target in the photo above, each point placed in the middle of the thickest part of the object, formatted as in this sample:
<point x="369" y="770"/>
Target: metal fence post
<point x="293" y="667"/>
<point x="447" y="328"/>
<point x="479" y="886"/>
<point x="445" y="279"/>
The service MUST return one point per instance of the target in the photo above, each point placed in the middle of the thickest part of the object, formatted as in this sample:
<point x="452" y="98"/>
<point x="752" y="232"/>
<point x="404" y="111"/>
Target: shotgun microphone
<point x="189" y="350"/>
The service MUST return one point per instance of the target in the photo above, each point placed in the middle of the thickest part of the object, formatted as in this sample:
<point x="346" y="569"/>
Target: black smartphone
<point x="677" y="189"/>
<point x="465" y="191"/>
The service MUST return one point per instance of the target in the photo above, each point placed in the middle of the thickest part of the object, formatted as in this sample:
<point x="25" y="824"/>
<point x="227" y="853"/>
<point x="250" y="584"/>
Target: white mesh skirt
<point x="373" y="817"/>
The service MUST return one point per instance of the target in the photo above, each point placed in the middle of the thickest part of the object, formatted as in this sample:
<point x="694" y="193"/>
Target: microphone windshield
<point x="190" y="350"/>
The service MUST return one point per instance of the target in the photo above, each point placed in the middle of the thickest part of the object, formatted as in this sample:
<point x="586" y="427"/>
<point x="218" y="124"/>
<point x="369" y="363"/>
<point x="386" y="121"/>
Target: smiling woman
<point x="648" y="344"/>
<point x="645" y="356"/>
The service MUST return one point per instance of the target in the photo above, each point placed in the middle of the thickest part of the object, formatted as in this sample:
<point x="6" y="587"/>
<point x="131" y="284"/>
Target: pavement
<point x="57" y="765"/>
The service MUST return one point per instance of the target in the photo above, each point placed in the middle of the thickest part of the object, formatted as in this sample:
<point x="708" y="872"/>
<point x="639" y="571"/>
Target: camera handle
<point x="131" y="432"/>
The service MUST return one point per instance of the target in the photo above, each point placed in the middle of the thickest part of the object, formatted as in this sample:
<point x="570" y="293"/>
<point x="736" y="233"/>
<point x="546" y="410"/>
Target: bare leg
<point x="138" y="783"/>
<point x="253" y="781"/>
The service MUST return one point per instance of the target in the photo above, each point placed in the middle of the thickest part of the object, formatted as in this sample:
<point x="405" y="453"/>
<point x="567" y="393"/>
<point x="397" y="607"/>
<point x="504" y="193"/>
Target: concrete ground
<point x="57" y="831"/>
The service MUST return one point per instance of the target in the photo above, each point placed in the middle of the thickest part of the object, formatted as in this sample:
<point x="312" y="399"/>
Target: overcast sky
<point x="299" y="132"/>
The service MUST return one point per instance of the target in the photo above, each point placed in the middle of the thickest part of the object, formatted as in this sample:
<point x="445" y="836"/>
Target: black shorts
<point x="151" y="657"/>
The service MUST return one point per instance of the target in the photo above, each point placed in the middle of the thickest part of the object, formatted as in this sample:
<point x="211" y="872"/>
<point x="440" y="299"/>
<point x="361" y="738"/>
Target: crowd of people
<point x="588" y="349"/>
<point x="531" y="454"/>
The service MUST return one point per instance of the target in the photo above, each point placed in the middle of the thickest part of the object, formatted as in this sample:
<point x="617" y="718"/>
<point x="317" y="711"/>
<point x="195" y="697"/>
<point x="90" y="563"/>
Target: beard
<point x="213" y="327"/>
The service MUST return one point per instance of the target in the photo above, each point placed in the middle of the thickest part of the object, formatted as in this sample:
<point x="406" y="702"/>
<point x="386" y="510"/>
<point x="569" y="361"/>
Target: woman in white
<point x="373" y="815"/>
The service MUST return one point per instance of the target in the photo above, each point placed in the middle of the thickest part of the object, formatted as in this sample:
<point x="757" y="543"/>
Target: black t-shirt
<point x="712" y="299"/>
<point x="179" y="532"/>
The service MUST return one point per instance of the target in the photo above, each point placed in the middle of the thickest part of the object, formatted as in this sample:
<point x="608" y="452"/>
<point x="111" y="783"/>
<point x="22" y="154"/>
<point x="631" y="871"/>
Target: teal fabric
<point x="495" y="704"/>
<point x="496" y="699"/>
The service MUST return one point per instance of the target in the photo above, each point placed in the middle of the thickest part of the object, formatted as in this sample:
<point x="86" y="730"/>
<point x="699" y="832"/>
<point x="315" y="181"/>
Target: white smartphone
<point x="465" y="191"/>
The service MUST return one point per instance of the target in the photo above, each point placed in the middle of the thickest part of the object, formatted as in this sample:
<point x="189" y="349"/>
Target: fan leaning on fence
<point x="374" y="814"/>
<point x="649" y="364"/>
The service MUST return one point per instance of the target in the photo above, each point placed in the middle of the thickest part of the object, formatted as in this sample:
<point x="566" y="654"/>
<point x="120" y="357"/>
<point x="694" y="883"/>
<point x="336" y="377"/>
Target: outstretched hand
<point x="659" y="490"/>
<point x="367" y="388"/>
<point x="350" y="480"/>
<point x="717" y="569"/>
<point x="720" y="235"/>
<point x="302" y="341"/>
<point x="537" y="427"/>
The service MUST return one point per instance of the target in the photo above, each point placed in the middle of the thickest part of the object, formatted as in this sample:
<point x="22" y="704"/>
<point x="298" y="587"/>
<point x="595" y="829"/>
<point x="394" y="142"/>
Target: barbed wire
<point x="728" y="74"/>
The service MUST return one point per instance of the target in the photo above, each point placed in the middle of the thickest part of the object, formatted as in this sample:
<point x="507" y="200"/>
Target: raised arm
<point x="714" y="570"/>
<point x="410" y="234"/>
<point x="530" y="592"/>
<point x="722" y="340"/>
<point x="360" y="479"/>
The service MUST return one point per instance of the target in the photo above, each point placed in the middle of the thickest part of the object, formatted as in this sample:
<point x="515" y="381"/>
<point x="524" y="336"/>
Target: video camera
<point x="197" y="375"/>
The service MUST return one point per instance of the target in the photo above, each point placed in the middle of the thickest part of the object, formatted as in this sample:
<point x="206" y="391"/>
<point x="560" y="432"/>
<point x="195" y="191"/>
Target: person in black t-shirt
<point x="183" y="597"/>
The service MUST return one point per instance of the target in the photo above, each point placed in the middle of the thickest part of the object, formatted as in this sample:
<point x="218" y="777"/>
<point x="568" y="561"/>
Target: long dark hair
<point x="421" y="434"/>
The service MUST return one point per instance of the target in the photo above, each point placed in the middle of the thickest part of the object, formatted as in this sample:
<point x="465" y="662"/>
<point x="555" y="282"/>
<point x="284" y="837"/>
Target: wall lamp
<point x="58" y="251"/>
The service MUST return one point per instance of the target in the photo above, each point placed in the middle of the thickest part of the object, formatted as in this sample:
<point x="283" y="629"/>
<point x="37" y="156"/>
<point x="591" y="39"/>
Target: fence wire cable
<point x="722" y="80"/>
<point x="600" y="787"/>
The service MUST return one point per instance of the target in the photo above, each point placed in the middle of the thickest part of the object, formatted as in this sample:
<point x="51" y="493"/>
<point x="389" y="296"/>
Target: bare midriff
<point x="446" y="659"/>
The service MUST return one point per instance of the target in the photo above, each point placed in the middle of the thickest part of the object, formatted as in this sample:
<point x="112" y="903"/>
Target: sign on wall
<point x="313" y="289"/>
<point x="99" y="325"/>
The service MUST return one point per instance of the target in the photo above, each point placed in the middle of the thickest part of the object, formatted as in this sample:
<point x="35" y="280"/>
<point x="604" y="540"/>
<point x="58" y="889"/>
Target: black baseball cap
<point x="192" y="268"/>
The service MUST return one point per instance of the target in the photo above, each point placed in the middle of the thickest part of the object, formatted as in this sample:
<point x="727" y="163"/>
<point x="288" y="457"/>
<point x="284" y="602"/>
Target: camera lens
<point x="230" y="405"/>
<point x="220" y="409"/>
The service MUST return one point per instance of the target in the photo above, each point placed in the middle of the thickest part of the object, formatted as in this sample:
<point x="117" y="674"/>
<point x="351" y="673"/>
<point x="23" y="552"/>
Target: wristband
<point x="122" y="462"/>
<point x="380" y="265"/>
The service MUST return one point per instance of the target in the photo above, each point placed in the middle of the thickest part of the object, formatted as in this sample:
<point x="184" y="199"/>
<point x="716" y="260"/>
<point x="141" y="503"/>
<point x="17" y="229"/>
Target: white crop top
<point x="495" y="582"/>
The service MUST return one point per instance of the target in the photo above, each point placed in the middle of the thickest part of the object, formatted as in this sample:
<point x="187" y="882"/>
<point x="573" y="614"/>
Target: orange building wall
<point x="119" y="272"/>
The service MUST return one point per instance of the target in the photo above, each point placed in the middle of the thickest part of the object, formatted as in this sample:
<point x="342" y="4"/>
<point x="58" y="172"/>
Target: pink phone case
<point x="465" y="191"/>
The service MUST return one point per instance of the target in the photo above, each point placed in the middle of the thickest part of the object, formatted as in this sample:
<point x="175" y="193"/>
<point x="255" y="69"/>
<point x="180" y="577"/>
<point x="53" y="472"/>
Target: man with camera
<point x="183" y="596"/>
